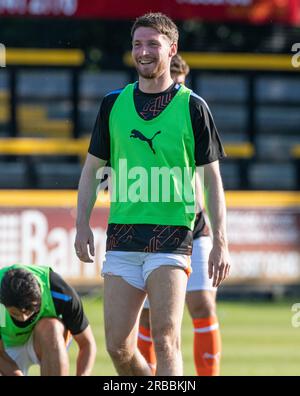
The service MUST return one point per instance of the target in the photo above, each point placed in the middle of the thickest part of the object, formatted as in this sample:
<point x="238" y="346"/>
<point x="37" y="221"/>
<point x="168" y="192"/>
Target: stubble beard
<point x="150" y="75"/>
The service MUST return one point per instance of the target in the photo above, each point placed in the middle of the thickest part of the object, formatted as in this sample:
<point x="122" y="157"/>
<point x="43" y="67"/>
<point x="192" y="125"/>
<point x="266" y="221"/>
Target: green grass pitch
<point x="258" y="339"/>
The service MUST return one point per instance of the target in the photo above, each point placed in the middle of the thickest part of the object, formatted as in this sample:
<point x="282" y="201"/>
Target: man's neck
<point x="155" y="85"/>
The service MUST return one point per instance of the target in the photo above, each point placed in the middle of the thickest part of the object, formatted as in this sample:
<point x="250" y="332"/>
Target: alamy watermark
<point x="2" y="315"/>
<point x="296" y="57"/>
<point x="157" y="184"/>
<point x="2" y="55"/>
<point x="296" y="317"/>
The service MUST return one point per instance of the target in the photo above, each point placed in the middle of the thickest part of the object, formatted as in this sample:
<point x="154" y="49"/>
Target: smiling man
<point x="41" y="312"/>
<point x="150" y="125"/>
<point x="201" y="295"/>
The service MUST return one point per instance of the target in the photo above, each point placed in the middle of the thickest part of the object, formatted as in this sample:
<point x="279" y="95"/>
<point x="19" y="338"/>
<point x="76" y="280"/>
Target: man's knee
<point x="166" y="338"/>
<point x="48" y="329"/>
<point x="203" y="306"/>
<point x="205" y="310"/>
<point x="119" y="352"/>
<point x="167" y="344"/>
<point x="48" y="335"/>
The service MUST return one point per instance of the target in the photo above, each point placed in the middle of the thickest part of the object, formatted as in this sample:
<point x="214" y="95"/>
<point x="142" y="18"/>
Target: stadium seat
<point x="230" y="175"/>
<point x="45" y="112"/>
<point x="59" y="175"/>
<point x="275" y="146"/>
<point x="273" y="176"/>
<point x="13" y="175"/>
<point x="96" y="85"/>
<point x="92" y="87"/>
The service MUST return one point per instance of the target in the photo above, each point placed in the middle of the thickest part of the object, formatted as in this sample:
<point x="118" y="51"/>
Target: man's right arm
<point x="98" y="155"/>
<point x="8" y="366"/>
<point x="87" y="194"/>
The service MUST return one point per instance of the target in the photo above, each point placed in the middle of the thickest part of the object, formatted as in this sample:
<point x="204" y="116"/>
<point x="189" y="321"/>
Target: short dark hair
<point x="158" y="21"/>
<point x="179" y="66"/>
<point x="20" y="289"/>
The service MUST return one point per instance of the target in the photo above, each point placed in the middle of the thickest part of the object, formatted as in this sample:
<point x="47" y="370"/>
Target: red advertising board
<point x="252" y="11"/>
<point x="264" y="242"/>
<point x="46" y="236"/>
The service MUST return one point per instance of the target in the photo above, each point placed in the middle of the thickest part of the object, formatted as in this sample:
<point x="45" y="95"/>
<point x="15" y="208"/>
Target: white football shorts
<point x="135" y="267"/>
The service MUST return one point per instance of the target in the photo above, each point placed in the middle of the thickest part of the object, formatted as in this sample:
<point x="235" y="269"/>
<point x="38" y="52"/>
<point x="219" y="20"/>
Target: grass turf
<point x="258" y="339"/>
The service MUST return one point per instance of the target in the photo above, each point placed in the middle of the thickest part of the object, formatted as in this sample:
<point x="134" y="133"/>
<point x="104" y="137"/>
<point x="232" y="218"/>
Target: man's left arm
<point x="87" y="352"/>
<point x="70" y="309"/>
<point x="218" y="265"/>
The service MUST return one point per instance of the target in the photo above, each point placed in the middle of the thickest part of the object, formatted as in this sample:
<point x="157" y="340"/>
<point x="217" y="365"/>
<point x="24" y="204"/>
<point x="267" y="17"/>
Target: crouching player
<point x="39" y="315"/>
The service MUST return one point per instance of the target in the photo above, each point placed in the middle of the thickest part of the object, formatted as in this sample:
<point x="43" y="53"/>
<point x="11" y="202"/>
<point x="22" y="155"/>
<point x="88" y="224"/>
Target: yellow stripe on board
<point x="45" y="198"/>
<point x="239" y="150"/>
<point x="4" y="94"/>
<point x="245" y="61"/>
<point x="267" y="199"/>
<point x="34" y="146"/>
<point x="60" y="146"/>
<point x="295" y="151"/>
<point x="68" y="198"/>
<point x="44" y="57"/>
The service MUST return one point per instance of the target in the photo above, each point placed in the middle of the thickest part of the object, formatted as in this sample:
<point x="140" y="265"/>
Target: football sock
<point x="146" y="347"/>
<point x="207" y="346"/>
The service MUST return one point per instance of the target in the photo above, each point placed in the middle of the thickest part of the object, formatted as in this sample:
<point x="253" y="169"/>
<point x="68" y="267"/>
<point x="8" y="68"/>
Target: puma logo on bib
<point x="138" y="135"/>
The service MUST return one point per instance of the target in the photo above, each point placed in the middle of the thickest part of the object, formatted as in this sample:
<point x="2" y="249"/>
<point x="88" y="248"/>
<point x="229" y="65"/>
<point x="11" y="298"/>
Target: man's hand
<point x="18" y="373"/>
<point x="84" y="238"/>
<point x="14" y="373"/>
<point x="8" y="367"/>
<point x="218" y="264"/>
<point x="87" y="194"/>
